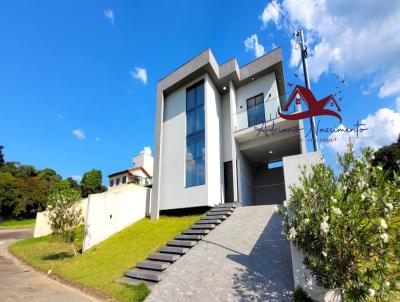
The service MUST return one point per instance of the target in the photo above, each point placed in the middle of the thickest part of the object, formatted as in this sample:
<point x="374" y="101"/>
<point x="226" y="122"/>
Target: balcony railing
<point x="141" y="181"/>
<point x="264" y="112"/>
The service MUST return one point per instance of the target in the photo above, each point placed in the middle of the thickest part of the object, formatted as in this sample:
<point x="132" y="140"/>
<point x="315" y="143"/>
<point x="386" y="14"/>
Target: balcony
<point x="260" y="113"/>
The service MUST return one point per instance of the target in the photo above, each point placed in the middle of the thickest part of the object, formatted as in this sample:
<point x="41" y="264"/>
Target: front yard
<point x="98" y="267"/>
<point x="18" y="224"/>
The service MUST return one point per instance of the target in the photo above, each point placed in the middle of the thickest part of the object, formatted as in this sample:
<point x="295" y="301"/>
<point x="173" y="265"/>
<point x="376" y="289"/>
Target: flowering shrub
<point x="348" y="227"/>
<point x="65" y="215"/>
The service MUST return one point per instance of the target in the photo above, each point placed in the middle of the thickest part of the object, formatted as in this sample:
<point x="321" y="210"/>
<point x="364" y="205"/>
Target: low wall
<point x="112" y="211"/>
<point x="42" y="225"/>
<point x="302" y="277"/>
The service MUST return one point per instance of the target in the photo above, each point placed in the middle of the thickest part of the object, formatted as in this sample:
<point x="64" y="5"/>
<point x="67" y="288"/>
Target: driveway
<point x="18" y="282"/>
<point x="246" y="258"/>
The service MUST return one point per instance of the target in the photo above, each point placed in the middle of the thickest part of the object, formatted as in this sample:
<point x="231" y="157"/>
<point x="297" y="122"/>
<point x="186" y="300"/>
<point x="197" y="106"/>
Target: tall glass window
<point x="255" y="110"/>
<point x="195" y="138"/>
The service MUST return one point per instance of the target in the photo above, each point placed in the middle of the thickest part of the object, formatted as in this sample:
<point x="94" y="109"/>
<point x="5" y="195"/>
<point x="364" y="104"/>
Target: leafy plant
<point x="301" y="296"/>
<point x="347" y="226"/>
<point x="65" y="215"/>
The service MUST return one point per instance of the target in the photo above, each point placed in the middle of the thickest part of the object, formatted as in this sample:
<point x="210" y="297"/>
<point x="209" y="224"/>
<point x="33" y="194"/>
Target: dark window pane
<point x="199" y="118"/>
<point x="111" y="182"/>
<point x="190" y="99"/>
<point x="200" y="172"/>
<point x="255" y="110"/>
<point x="190" y="150"/>
<point x="200" y="94"/>
<point x="190" y="122"/>
<point x="124" y="179"/>
<point x="190" y="173"/>
<point x="200" y="146"/>
<point x="117" y="182"/>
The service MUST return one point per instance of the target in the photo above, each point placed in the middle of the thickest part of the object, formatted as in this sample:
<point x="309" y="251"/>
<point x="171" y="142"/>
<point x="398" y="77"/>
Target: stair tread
<point x="214" y="210"/>
<point x="144" y="274"/>
<point x="221" y="217"/>
<point x="153" y="264"/>
<point x="173" y="249"/>
<point x="189" y="237"/>
<point x="203" y="226"/>
<point x="134" y="281"/>
<point x="182" y="243"/>
<point x="163" y="257"/>
<point x="209" y="221"/>
<point x="198" y="231"/>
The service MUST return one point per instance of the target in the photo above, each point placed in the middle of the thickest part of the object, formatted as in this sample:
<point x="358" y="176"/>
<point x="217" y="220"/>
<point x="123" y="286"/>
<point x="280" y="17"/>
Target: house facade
<point x="219" y="138"/>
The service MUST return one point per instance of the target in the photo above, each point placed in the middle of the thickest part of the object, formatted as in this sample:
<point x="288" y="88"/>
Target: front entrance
<point x="228" y="181"/>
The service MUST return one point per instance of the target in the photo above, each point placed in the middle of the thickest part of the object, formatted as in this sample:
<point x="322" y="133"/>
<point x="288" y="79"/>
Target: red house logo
<point x="315" y="107"/>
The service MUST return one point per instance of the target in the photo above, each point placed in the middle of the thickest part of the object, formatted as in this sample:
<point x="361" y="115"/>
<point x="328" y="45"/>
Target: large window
<point x="255" y="110"/>
<point x="195" y="157"/>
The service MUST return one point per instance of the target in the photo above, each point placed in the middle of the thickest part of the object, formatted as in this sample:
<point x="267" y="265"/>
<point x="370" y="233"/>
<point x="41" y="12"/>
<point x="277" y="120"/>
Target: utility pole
<point x="303" y="49"/>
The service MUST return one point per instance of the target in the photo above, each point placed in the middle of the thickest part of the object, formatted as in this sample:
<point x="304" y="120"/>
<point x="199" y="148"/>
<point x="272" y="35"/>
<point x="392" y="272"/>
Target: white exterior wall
<point x="266" y="85"/>
<point x="111" y="211"/>
<point x="214" y="175"/>
<point x="245" y="179"/>
<point x="173" y="193"/>
<point x="42" y="224"/>
<point x="120" y="179"/>
<point x="145" y="161"/>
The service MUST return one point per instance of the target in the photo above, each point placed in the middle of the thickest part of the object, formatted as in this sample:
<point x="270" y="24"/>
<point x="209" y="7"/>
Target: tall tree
<point x="8" y="194"/>
<point x="92" y="183"/>
<point x="388" y="157"/>
<point x="1" y="155"/>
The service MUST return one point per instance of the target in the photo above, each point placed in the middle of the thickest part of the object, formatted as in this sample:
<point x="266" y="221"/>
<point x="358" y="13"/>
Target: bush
<point x="347" y="226"/>
<point x="65" y="215"/>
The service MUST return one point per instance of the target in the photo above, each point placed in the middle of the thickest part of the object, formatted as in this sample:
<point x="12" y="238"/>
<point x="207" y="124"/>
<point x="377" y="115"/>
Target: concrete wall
<point x="173" y="193"/>
<point x="226" y="139"/>
<point x="245" y="178"/>
<point x="112" y="211"/>
<point x="42" y="225"/>
<point x="301" y="276"/>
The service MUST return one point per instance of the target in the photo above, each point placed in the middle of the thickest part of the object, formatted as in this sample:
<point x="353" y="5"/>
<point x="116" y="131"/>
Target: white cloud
<point x="109" y="14"/>
<point x="383" y="129"/>
<point x="140" y="74"/>
<point x="398" y="104"/>
<point x="356" y="38"/>
<point x="79" y="134"/>
<point x="76" y="177"/>
<point x="97" y="139"/>
<point x="270" y="13"/>
<point x="251" y="44"/>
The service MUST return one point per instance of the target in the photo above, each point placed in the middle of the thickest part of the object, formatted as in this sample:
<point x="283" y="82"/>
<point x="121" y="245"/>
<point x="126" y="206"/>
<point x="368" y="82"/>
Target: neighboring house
<point x="141" y="173"/>
<point x="208" y="150"/>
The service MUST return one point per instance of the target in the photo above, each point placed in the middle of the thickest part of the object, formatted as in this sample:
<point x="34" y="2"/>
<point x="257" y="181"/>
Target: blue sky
<point x="69" y="66"/>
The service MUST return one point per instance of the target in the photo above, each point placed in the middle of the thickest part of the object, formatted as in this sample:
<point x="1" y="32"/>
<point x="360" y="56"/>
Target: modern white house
<point x="218" y="136"/>
<point x="140" y="173"/>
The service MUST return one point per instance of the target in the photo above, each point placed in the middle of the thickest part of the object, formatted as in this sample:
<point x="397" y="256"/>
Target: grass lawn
<point x="98" y="267"/>
<point x="18" y="224"/>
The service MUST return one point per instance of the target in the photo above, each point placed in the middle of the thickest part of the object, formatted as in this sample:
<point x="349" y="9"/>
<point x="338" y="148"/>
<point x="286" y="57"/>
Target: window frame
<point x="255" y="106"/>
<point x="111" y="183"/>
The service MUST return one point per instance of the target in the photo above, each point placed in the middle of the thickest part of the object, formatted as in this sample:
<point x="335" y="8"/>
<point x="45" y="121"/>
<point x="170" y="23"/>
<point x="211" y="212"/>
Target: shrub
<point x="347" y="226"/>
<point x="65" y="215"/>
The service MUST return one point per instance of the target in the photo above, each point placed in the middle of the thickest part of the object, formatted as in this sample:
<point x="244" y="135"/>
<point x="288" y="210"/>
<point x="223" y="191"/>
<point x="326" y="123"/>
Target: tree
<point x="347" y="227"/>
<point x="8" y="194"/>
<point x="92" y="183"/>
<point x="32" y="197"/>
<point x="388" y="157"/>
<point x="73" y="183"/>
<point x="1" y="155"/>
<point x="65" y="214"/>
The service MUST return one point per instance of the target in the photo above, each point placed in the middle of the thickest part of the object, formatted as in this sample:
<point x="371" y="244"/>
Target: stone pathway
<point x="244" y="259"/>
<point x="19" y="282"/>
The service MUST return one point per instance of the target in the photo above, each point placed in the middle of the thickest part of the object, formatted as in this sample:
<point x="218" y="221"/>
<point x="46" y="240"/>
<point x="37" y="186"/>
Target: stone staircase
<point x="151" y="271"/>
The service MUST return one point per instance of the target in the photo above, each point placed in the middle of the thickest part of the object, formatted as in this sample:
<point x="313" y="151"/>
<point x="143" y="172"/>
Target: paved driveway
<point x="246" y="258"/>
<point x="20" y="283"/>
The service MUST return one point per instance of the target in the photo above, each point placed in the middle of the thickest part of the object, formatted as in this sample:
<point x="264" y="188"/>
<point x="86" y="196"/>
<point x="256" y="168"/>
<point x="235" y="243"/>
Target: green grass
<point x="98" y="267"/>
<point x="18" y="224"/>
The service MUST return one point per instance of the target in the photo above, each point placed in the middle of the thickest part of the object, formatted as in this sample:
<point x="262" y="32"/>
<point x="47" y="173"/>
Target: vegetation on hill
<point x="24" y="190"/>
<point x="98" y="267"/>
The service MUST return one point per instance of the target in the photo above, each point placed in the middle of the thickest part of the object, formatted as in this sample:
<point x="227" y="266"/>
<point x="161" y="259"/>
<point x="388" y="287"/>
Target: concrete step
<point x="144" y="274"/>
<point x="134" y="281"/>
<point x="214" y="210"/>
<point x="154" y="265"/>
<point x="163" y="257"/>
<point x="182" y="243"/>
<point x="173" y="250"/>
<point x="196" y="232"/>
<point x="212" y="217"/>
<point x="227" y="205"/>
<point x="225" y="213"/>
<point x="207" y="221"/>
<point x="203" y="226"/>
<point x="189" y="237"/>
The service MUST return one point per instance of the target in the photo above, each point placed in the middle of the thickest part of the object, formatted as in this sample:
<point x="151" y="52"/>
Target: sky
<point x="78" y="78"/>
